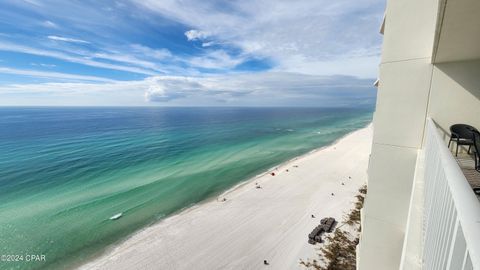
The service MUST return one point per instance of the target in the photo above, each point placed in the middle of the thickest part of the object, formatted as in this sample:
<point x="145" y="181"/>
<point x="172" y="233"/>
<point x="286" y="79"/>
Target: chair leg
<point x="477" y="159"/>
<point x="469" y="147"/>
<point x="449" y="142"/>
<point x="456" y="152"/>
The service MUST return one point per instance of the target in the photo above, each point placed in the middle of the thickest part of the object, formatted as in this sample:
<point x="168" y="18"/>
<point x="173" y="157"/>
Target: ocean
<point x="65" y="171"/>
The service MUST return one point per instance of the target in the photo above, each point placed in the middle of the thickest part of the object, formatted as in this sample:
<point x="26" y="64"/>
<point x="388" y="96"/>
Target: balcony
<point x="443" y="226"/>
<point x="467" y="165"/>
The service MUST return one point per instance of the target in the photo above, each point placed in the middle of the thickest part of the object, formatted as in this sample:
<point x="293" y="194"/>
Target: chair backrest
<point x="476" y="142"/>
<point x="462" y="131"/>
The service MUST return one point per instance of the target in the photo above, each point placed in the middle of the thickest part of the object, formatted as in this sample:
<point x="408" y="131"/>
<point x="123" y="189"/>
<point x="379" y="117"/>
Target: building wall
<point x="454" y="98"/>
<point x="455" y="94"/>
<point x="402" y="103"/>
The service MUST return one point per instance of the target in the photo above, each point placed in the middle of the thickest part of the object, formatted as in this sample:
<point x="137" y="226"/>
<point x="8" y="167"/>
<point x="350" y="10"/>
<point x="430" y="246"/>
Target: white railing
<point x="451" y="213"/>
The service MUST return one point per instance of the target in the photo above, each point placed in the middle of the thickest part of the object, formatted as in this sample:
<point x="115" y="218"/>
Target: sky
<point x="189" y="52"/>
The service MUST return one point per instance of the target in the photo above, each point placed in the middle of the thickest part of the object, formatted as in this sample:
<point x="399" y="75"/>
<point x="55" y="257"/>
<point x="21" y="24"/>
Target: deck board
<point x="467" y="164"/>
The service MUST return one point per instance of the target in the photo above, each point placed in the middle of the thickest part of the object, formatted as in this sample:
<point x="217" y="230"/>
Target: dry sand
<point x="254" y="224"/>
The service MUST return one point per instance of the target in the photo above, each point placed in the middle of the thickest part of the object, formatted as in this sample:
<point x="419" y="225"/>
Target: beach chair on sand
<point x="316" y="235"/>
<point x="329" y="224"/>
<point x="326" y="225"/>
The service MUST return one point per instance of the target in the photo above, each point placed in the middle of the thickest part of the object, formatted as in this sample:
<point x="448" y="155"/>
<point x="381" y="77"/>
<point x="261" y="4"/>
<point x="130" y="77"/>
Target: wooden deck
<point x="467" y="164"/>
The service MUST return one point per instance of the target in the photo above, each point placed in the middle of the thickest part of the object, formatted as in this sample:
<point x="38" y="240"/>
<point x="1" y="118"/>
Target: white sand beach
<point x="254" y="224"/>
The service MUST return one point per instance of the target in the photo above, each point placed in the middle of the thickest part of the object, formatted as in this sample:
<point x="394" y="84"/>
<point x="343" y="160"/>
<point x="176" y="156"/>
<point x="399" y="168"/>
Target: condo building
<point x="421" y="211"/>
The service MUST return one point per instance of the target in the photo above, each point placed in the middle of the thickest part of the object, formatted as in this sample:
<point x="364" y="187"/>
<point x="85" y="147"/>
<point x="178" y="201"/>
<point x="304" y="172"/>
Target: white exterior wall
<point x="430" y="68"/>
<point x="402" y="104"/>
<point x="455" y="95"/>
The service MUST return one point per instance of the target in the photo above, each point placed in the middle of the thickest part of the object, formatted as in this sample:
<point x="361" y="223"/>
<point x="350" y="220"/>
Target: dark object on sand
<point x="273" y="174"/>
<point x="333" y="194"/>
<point x="326" y="226"/>
<point x="313" y="216"/>
<point x="265" y="262"/>
<point x="343" y="184"/>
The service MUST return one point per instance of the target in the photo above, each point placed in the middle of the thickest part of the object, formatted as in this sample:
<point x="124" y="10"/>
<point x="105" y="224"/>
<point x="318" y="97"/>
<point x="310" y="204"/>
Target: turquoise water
<point x="65" y="171"/>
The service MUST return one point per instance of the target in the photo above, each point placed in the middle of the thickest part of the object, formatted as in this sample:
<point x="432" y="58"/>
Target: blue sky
<point x="189" y="52"/>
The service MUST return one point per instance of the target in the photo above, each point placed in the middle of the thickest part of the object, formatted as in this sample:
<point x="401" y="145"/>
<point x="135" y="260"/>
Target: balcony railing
<point x="451" y="221"/>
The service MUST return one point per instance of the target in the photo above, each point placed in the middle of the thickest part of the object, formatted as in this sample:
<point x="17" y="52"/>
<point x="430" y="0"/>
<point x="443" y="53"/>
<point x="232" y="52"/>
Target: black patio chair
<point x="476" y="146"/>
<point x="461" y="134"/>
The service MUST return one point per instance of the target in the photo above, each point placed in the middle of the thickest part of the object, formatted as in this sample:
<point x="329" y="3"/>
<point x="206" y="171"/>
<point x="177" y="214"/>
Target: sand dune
<point x="254" y="224"/>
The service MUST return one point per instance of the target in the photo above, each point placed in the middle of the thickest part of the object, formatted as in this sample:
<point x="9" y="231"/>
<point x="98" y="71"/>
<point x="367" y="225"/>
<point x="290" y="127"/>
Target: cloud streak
<point x="52" y="75"/>
<point x="49" y="24"/>
<point x="65" y="39"/>
<point x="5" y="46"/>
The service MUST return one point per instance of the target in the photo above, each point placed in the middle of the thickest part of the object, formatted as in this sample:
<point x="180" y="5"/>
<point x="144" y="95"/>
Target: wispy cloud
<point x="43" y="65"/>
<point x="159" y="54"/>
<point x="49" y="24"/>
<point x="215" y="59"/>
<point x="291" y="34"/>
<point x="208" y="44"/>
<point x="33" y="2"/>
<point x="129" y="59"/>
<point x="65" y="39"/>
<point x="52" y="75"/>
<point x="195" y="34"/>
<point x="5" y="46"/>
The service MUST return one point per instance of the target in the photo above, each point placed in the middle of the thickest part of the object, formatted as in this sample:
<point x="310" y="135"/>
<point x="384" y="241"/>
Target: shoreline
<point x="113" y="256"/>
<point x="266" y="172"/>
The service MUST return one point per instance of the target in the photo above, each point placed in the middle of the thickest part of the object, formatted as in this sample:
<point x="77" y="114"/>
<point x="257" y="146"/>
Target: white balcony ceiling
<point x="458" y="31"/>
